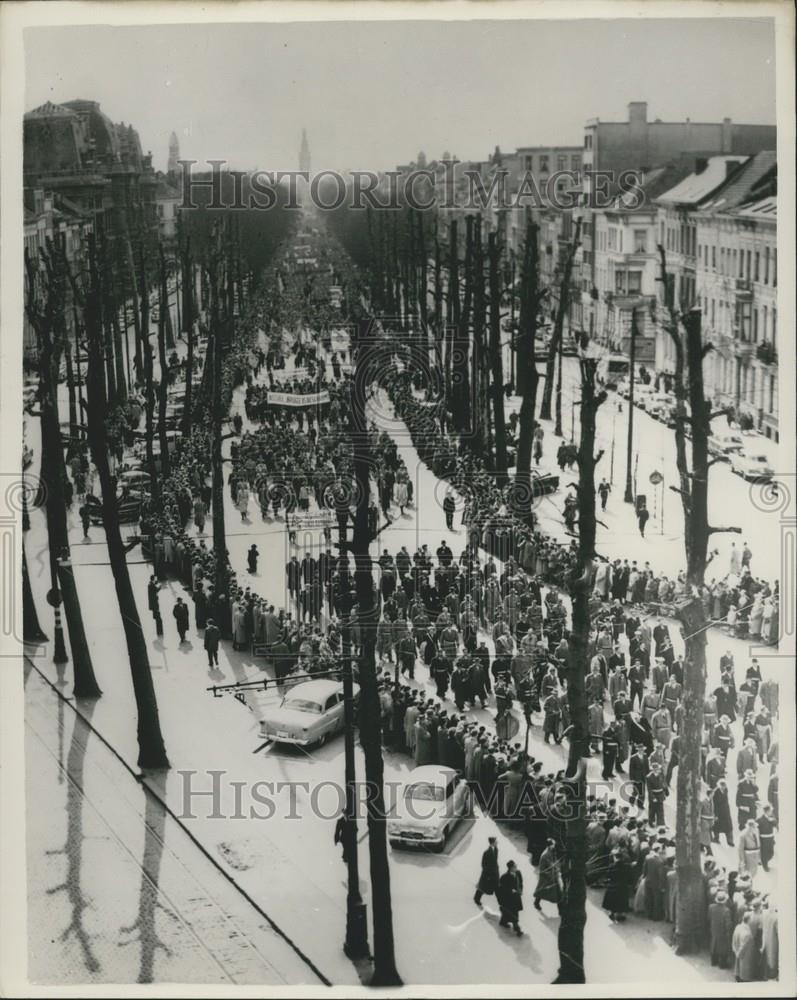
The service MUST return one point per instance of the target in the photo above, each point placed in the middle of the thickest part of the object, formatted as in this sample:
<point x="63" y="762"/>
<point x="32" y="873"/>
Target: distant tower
<point x="174" y="155"/>
<point x="304" y="153"/>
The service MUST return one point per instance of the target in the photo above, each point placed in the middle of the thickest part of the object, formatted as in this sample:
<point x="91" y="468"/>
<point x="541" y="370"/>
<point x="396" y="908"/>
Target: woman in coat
<point x="200" y="606"/>
<point x="615" y="899"/>
<point x="549" y="886"/>
<point x="423" y="743"/>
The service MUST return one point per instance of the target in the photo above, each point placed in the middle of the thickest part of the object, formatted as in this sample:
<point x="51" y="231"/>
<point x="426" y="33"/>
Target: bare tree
<point x="558" y="327"/>
<point x="693" y="490"/>
<point x="151" y="749"/>
<point x="573" y="907"/>
<point x="44" y="306"/>
<point x="385" y="971"/>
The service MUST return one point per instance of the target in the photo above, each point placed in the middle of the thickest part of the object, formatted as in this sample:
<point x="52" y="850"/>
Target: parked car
<point x="434" y="800"/>
<point x="642" y="394"/>
<point x="308" y="714"/>
<point x="658" y="405"/>
<point x="725" y="442"/>
<point x="754" y="466"/>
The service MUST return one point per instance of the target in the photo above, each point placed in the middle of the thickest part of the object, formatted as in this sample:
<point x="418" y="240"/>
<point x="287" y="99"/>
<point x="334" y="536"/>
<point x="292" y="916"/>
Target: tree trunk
<point x="561" y="312"/>
<point x="151" y="750"/>
<point x="149" y="402"/>
<point x="496" y="357"/>
<point x="131" y="271"/>
<point x="573" y="908"/>
<point x="452" y="312"/>
<point x="163" y="383"/>
<point x="31" y="629"/>
<point x="48" y="324"/>
<point x="188" y="326"/>
<point x="217" y="503"/>
<point x="527" y="375"/>
<point x="385" y="972"/>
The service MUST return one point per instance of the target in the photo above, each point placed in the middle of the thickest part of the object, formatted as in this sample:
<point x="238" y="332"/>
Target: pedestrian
<point x="85" y="519"/>
<point x="723" y="822"/>
<point x="342" y="835"/>
<point x="744" y="950"/>
<point x="749" y="849"/>
<point x="212" y="642"/>
<point x="549" y="882"/>
<point x="615" y="899"/>
<point x="642" y="519"/>
<point x="510" y="897"/>
<point x="251" y="558"/>
<point x="488" y="880"/>
<point x="449" y="506"/>
<point x="720" y="925"/>
<point x="766" y="833"/>
<point x="604" y="489"/>
<point x="657" y="793"/>
<point x="180" y="612"/>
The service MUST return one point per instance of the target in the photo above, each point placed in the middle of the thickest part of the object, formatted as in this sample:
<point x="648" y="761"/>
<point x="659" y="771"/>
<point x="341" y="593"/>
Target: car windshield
<point x="302" y="705"/>
<point x="425" y="792"/>
<point x="758" y="458"/>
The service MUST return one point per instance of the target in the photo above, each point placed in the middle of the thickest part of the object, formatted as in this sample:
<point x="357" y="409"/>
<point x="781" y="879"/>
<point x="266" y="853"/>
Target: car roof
<point x="434" y="774"/>
<point x="320" y="689"/>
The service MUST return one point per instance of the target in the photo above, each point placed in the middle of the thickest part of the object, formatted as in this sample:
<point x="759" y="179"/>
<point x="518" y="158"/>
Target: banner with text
<point x="297" y="399"/>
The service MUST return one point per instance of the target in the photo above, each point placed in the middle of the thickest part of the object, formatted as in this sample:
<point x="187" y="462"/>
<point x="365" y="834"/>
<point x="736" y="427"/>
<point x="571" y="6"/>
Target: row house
<point x="719" y="231"/>
<point x="625" y="266"/>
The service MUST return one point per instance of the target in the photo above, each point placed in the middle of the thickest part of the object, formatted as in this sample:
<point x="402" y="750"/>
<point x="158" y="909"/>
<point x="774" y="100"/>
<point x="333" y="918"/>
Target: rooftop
<point x="700" y="184"/>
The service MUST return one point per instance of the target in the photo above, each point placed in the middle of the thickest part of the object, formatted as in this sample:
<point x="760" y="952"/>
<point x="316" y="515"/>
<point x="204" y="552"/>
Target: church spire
<point x="174" y="155"/>
<point x="304" y="153"/>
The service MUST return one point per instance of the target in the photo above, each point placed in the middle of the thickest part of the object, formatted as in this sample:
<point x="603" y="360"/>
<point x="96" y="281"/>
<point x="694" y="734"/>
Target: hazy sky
<point x="371" y="94"/>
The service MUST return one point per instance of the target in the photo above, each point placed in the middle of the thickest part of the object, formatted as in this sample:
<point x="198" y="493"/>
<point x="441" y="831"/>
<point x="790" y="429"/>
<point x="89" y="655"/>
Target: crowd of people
<point x="489" y="626"/>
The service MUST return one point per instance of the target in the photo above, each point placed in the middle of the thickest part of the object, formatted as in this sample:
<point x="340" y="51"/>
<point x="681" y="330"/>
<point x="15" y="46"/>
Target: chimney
<point x="638" y="112"/>
<point x="700" y="164"/>
<point x="727" y="130"/>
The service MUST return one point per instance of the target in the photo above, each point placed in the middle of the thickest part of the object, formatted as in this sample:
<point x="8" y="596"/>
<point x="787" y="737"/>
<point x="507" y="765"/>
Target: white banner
<point x="309" y="521"/>
<point x="297" y="399"/>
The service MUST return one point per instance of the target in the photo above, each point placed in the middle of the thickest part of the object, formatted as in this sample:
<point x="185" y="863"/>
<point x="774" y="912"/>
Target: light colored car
<point x="309" y="714"/>
<point x="754" y="467"/>
<point x="434" y="800"/>
<point x="642" y="394"/>
<point x="725" y="443"/>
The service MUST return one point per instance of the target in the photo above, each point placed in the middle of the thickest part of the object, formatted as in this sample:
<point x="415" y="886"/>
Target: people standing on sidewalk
<point x="510" y="897"/>
<point x="488" y="880"/>
<point x="212" y="636"/>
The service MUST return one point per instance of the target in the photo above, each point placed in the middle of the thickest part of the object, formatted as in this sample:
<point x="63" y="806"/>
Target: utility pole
<point x="558" y="426"/>
<point x="629" y="493"/>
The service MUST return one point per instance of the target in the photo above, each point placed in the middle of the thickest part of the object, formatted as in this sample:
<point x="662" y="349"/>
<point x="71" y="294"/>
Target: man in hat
<point x="766" y="833"/>
<point x="212" y="636"/>
<point x="488" y="880"/>
<point x="746" y="798"/>
<point x="720" y="924"/>
<point x="749" y="848"/>
<point x="657" y="793"/>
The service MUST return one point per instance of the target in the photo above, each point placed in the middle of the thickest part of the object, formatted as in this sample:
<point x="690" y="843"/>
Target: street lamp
<point x="54" y="600"/>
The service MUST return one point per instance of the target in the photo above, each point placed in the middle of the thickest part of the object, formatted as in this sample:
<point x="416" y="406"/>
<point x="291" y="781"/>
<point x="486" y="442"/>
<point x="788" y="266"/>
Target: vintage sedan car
<point x="754" y="467"/>
<point x="308" y="715"/>
<point x="725" y="443"/>
<point x="433" y="801"/>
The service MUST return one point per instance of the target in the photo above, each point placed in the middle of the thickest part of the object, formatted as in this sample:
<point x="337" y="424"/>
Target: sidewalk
<point x="117" y="892"/>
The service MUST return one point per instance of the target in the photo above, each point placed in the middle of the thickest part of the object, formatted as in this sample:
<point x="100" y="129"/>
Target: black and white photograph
<point x="398" y="515"/>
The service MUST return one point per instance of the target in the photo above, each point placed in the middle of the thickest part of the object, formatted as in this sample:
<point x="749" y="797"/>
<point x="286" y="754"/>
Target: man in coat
<point x="749" y="849"/>
<point x="747" y="758"/>
<point x="548" y="883"/>
<point x="510" y="897"/>
<point x="746" y="799"/>
<point x="657" y="793"/>
<point x="180" y="612"/>
<point x="212" y="642"/>
<point x="720" y="926"/>
<point x="655" y="877"/>
<point x="766" y="833"/>
<point x="638" y="770"/>
<point x="488" y="880"/>
<point x="744" y="950"/>
<point x="722" y="813"/>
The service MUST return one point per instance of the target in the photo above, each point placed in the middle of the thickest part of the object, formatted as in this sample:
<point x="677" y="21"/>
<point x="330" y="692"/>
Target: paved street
<point x="291" y="867"/>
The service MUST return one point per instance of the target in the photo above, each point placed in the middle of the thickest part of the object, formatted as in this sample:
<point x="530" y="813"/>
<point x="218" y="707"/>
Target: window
<point x="528" y="162"/>
<point x="634" y="282"/>
<point x="766" y="265"/>
<point x="713" y="312"/>
<point x="749" y="272"/>
<point x="755" y="326"/>
<point x="714" y="258"/>
<point x="561" y="163"/>
<point x="575" y="163"/>
<point x="757" y="267"/>
<point x="587" y="142"/>
<point x="775" y="266"/>
<point x="771" y="393"/>
<point x="619" y="282"/>
<point x="543" y="164"/>
<point x="764" y="318"/>
<point x="612" y="238"/>
<point x="640" y="241"/>
<point x="739" y="272"/>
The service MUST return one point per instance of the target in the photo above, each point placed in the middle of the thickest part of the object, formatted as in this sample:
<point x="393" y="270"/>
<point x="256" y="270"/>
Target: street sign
<point x="656" y="478"/>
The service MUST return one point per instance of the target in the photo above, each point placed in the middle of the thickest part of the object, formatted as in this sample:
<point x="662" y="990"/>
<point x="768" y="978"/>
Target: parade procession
<point x="401" y="607"/>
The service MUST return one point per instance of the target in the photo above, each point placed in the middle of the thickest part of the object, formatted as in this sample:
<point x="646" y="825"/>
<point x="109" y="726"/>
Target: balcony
<point x="766" y="352"/>
<point x="743" y="349"/>
<point x="744" y="290"/>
